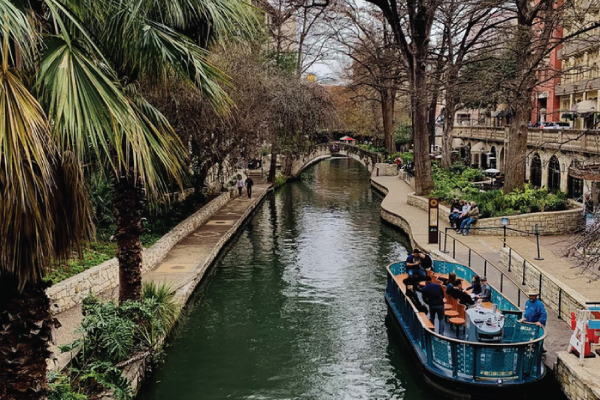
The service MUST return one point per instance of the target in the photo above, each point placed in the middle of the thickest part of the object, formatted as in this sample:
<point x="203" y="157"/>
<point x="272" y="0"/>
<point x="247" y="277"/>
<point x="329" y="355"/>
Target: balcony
<point x="583" y="85"/>
<point x="579" y="44"/>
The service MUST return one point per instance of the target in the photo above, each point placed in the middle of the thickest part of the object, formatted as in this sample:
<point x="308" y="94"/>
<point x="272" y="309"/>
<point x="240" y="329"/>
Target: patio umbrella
<point x="346" y="138"/>
<point x="491" y="171"/>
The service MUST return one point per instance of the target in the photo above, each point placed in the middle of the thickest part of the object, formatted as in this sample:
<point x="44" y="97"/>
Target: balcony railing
<point x="566" y="140"/>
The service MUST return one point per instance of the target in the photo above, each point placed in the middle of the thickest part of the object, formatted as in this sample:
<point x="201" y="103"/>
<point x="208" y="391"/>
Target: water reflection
<point x="295" y="309"/>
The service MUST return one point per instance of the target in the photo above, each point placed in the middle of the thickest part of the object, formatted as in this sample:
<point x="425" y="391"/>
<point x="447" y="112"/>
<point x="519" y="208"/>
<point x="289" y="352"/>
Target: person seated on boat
<point x="486" y="291"/>
<point x="475" y="288"/>
<point x="412" y="295"/>
<point x="414" y="267"/>
<point x="433" y="296"/>
<point x="458" y="293"/>
<point x="450" y="281"/>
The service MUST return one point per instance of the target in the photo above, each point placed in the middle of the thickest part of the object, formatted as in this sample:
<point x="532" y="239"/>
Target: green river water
<point x="294" y="308"/>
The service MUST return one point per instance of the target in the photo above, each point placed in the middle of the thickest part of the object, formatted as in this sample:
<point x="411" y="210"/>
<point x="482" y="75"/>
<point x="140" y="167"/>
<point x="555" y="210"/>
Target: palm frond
<point x="36" y="223"/>
<point x="17" y="27"/>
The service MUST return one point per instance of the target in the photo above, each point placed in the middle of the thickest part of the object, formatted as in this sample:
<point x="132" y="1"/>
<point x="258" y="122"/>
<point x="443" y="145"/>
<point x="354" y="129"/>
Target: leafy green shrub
<point x="280" y="180"/>
<point x="112" y="334"/>
<point x="451" y="184"/>
<point x="458" y="168"/>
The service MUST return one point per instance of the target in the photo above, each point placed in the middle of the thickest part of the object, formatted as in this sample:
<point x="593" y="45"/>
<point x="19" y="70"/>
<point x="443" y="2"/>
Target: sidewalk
<point x="184" y="266"/>
<point x="488" y="246"/>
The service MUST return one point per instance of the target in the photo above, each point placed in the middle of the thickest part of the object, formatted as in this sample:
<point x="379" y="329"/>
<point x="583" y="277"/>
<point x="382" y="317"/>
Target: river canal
<point x="294" y="309"/>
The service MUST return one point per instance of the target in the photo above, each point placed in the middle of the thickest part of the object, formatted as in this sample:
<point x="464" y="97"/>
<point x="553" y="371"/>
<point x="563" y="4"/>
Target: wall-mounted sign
<point x="433" y="220"/>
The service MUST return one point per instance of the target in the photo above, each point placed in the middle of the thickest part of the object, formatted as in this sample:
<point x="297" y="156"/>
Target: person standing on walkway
<point x="240" y="185"/>
<point x="535" y="312"/>
<point x="249" y="184"/>
<point x="433" y="296"/>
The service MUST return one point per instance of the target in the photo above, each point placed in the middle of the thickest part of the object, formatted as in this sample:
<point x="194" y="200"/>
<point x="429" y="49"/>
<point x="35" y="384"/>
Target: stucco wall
<point x="549" y="223"/>
<point x="385" y="169"/>
<point x="72" y="291"/>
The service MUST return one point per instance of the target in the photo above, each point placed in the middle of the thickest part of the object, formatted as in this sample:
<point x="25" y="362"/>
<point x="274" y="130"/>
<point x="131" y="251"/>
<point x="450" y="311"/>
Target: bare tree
<point x="364" y="36"/>
<point x="411" y="22"/>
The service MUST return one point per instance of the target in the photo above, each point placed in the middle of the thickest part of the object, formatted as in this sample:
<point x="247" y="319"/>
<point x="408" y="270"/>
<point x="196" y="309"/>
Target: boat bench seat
<point x="400" y="281"/>
<point x="426" y="321"/>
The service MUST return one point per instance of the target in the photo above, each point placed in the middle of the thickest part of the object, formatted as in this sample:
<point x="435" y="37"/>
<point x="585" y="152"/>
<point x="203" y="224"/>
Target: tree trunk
<point x="521" y="104"/>
<point x="25" y="330"/>
<point x="423" y="177"/>
<point x="447" y="136"/>
<point x="273" y="166"/>
<point x="431" y="117"/>
<point x="387" y="112"/>
<point x="129" y="203"/>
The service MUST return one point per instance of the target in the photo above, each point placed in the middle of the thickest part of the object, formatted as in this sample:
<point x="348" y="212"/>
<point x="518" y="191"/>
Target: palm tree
<point x="69" y="93"/>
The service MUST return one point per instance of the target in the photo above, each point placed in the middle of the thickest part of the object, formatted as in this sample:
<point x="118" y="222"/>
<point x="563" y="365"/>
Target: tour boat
<point x="491" y="352"/>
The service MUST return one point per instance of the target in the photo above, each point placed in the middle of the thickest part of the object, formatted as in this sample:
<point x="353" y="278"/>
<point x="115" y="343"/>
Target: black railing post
<point x="524" y="265"/>
<point x="484" y="267"/>
<point x="540" y="287"/>
<point x="440" y="240"/>
<point x="509" y="258"/>
<point x="537" y="238"/>
<point x="518" y="297"/>
<point x="559" y="302"/>
<point x="454" y="248"/>
<point x="445" y="240"/>
<point x="501" y="282"/>
<point x="504" y="244"/>
<point x="469" y="257"/>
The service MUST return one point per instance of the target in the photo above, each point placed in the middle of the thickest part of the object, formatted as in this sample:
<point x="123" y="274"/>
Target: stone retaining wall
<point x="103" y="277"/>
<point x="552" y="291"/>
<point x="385" y="169"/>
<point x="576" y="382"/>
<point x="549" y="223"/>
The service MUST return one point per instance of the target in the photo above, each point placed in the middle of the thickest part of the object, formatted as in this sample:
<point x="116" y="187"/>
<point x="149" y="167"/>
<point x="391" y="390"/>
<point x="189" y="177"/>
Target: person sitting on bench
<point x="458" y="293"/>
<point x="415" y="268"/>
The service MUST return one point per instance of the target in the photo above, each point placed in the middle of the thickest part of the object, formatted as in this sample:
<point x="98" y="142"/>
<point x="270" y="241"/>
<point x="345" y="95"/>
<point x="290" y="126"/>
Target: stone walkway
<point x="186" y="263"/>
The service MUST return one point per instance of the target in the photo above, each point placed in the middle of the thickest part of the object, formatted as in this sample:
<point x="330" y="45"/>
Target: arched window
<point x="535" y="174"/>
<point x="575" y="185"/>
<point x="554" y="174"/>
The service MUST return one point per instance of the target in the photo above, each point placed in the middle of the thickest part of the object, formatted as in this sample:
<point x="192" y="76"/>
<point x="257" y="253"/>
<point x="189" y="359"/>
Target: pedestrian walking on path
<point x="249" y="184"/>
<point x="240" y="185"/>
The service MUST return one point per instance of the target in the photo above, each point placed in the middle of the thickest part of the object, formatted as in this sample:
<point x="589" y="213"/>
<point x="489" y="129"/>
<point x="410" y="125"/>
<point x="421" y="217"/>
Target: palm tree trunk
<point x="129" y="203"/>
<point x="25" y="330"/>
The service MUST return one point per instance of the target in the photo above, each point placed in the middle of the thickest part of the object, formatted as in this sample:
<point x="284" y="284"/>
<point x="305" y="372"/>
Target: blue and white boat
<point x="477" y="359"/>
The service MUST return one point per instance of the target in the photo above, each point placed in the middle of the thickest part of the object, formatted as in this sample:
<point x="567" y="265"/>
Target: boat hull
<point x="453" y="388"/>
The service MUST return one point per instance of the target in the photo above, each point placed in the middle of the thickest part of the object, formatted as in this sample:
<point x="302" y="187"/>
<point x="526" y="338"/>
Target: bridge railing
<point x="362" y="153"/>
<point x="515" y="360"/>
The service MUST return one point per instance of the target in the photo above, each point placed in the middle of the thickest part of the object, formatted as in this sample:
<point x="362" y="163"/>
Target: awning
<point x="586" y="106"/>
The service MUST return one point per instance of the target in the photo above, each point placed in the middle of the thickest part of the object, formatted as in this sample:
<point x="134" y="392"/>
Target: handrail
<point x="487" y="262"/>
<point x="465" y="341"/>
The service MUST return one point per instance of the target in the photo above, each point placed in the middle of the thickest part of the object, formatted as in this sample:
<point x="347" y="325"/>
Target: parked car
<point x="555" y="125"/>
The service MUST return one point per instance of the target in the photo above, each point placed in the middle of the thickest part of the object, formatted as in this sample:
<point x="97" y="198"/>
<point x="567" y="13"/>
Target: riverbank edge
<point x="572" y="382"/>
<point x="136" y="372"/>
<point x="103" y="277"/>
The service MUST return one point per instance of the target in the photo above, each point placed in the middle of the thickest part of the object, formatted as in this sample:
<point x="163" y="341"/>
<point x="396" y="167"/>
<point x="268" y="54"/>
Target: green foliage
<point x="280" y="180"/>
<point x="371" y="148"/>
<point x="61" y="388"/>
<point x="112" y="334"/>
<point x="405" y="157"/>
<point x="403" y="134"/>
<point x="284" y="61"/>
<point x="450" y="184"/>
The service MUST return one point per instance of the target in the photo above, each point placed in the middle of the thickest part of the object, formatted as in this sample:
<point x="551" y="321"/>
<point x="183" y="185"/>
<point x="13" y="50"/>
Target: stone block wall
<point x="554" y="293"/>
<point x="103" y="277"/>
<point x="549" y="223"/>
<point x="385" y="169"/>
<point x="576" y="381"/>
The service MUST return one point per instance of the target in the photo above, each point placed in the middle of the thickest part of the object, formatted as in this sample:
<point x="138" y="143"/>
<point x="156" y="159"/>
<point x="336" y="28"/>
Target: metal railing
<point x="484" y="267"/>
